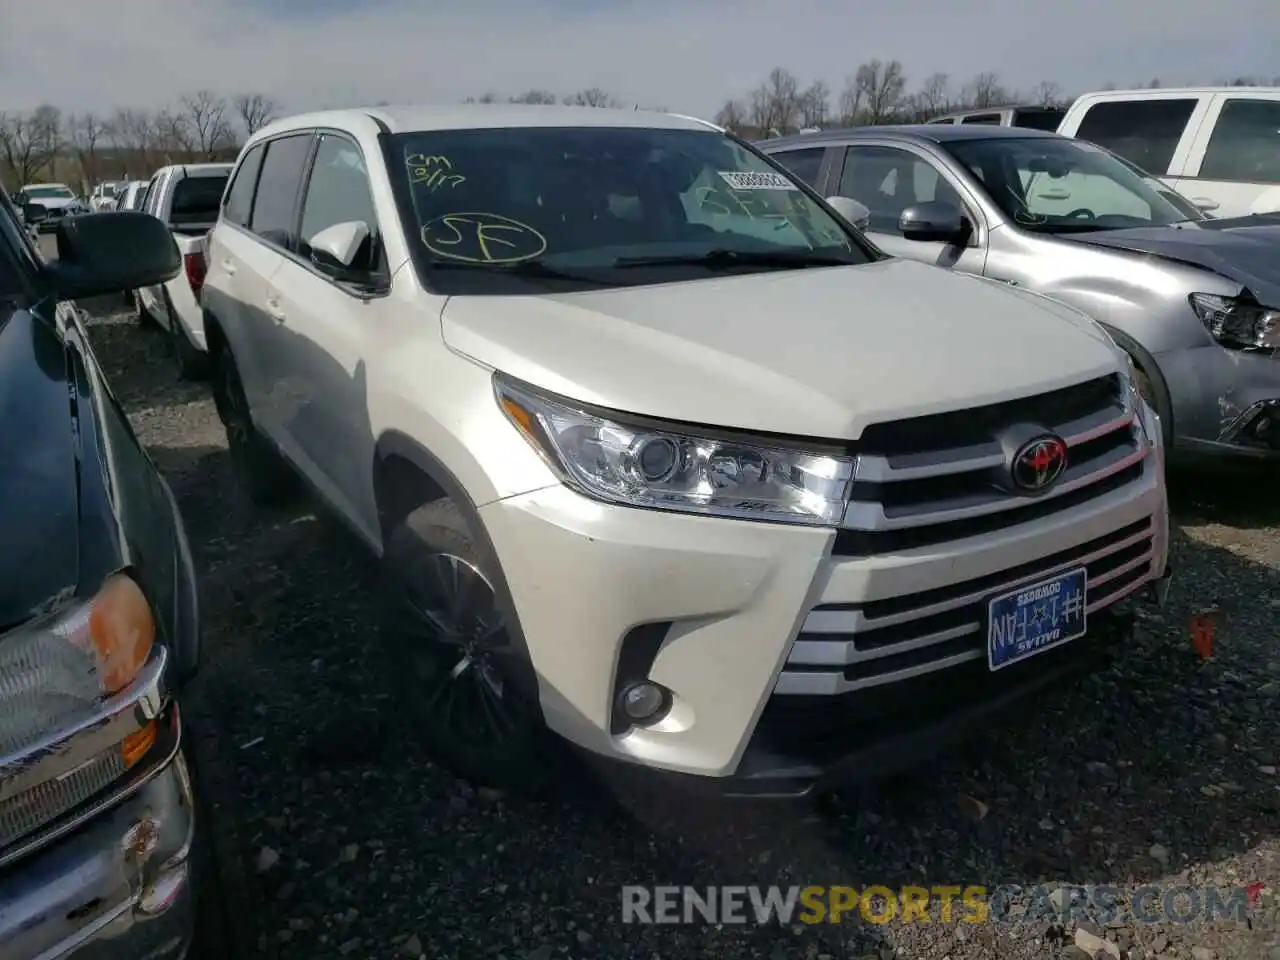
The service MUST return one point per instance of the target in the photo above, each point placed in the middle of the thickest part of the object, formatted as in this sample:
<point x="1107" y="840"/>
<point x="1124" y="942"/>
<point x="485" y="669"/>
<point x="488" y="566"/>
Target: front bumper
<point x="716" y="611"/>
<point x="117" y="888"/>
<point x="1226" y="404"/>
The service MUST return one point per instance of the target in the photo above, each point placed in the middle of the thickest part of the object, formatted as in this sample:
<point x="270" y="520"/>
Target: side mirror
<point x="851" y="210"/>
<point x="935" y="220"/>
<point x="337" y="246"/>
<point x="112" y="252"/>
<point x="34" y="212"/>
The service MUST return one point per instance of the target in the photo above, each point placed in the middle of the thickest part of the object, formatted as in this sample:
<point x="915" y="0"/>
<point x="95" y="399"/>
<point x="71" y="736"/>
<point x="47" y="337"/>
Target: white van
<point x="1218" y="146"/>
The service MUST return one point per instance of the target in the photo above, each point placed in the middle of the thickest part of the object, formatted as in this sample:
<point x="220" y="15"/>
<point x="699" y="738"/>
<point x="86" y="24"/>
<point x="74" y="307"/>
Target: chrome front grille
<point x="35" y="808"/>
<point x="852" y="646"/>
<point x="939" y="478"/>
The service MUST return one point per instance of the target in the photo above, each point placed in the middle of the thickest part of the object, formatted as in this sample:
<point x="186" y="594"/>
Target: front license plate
<point x="1035" y="618"/>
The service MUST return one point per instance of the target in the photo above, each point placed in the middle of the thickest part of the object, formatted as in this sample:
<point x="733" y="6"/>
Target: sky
<point x="688" y="57"/>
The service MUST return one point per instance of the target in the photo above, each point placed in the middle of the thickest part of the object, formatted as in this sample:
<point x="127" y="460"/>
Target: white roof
<point x="467" y="116"/>
<point x="1183" y="91"/>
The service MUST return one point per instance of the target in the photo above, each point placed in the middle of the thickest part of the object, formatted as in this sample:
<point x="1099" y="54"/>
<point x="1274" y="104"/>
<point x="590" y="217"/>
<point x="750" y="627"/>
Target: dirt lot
<point x="337" y="839"/>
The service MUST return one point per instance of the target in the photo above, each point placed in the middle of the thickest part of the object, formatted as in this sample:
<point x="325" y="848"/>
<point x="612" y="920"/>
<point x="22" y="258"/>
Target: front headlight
<point x="627" y="460"/>
<point x="1238" y="324"/>
<point x="55" y="671"/>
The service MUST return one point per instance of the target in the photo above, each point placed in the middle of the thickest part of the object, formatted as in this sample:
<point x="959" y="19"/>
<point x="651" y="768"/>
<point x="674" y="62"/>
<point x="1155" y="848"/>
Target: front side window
<point x="1146" y="132"/>
<point x="1245" y="144"/>
<point x="338" y="192"/>
<point x="805" y="164"/>
<point x="277" y="198"/>
<point x="601" y="204"/>
<point x="887" y="180"/>
<point x="1056" y="185"/>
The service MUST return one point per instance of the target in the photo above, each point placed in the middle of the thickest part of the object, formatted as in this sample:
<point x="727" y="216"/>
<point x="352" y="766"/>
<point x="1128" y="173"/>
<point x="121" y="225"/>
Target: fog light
<point x="645" y="702"/>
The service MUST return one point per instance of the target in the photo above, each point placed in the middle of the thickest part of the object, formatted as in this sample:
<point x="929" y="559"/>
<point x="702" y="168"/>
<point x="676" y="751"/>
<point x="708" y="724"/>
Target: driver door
<point x="887" y="180"/>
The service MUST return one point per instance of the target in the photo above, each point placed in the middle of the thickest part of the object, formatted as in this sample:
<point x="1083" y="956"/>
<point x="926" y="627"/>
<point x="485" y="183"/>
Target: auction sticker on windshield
<point x="1035" y="618"/>
<point x="741" y="180"/>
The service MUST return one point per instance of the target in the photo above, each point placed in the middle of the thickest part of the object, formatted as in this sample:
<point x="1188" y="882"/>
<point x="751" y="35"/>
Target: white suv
<point x="661" y="453"/>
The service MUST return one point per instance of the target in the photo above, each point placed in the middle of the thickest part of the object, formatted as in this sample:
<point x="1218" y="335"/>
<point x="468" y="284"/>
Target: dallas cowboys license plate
<point x="1035" y="618"/>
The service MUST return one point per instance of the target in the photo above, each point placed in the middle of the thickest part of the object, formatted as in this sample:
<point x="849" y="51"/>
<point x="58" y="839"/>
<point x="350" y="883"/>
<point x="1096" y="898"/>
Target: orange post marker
<point x="1204" y="626"/>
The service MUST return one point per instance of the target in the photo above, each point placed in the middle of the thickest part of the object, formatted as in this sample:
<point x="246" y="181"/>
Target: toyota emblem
<point x="1039" y="463"/>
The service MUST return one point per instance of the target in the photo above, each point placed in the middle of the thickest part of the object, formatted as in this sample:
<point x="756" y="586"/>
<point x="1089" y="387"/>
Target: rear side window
<point x="991" y="119"/>
<point x="805" y="164"/>
<point x="1145" y="132"/>
<point x="1245" y="144"/>
<point x="239" y="202"/>
<point x="197" y="199"/>
<point x="274" y="215"/>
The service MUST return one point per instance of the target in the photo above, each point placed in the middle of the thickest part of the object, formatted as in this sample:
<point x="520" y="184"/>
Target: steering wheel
<point x="1080" y="213"/>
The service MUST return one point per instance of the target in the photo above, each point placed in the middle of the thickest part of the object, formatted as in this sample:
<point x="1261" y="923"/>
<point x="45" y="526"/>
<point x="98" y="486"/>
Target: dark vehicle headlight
<point x="1238" y="324"/>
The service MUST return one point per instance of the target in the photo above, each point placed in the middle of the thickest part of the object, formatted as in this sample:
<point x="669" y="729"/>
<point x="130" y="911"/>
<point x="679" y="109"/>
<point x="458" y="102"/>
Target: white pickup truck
<point x="186" y="197"/>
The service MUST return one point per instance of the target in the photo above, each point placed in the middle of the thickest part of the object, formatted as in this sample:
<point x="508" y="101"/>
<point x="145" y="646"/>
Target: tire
<point x="262" y="472"/>
<point x="145" y="318"/>
<point x="454" y="672"/>
<point x="191" y="363"/>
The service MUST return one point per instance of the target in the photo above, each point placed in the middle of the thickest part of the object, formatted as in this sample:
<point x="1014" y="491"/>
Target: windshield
<point x="1052" y="185"/>
<point x="521" y="205"/>
<point x="49" y="193"/>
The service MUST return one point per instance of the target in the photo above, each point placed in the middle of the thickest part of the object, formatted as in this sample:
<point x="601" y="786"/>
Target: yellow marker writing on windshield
<point x="482" y="238"/>
<point x="432" y="171"/>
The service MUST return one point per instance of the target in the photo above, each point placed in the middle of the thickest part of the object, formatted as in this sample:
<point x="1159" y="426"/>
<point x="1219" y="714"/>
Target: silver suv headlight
<point x="630" y="460"/>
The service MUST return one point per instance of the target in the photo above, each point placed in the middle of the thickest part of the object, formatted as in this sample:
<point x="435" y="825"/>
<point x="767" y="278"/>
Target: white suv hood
<point x="820" y="352"/>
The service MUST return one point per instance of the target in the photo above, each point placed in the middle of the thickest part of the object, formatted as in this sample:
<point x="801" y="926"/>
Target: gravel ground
<point x="338" y="839"/>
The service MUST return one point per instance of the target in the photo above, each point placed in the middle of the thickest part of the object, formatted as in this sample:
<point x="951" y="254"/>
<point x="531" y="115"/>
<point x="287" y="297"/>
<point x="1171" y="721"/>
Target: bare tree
<point x="815" y="104"/>
<point x="483" y="98"/>
<point x="850" y="101"/>
<point x="932" y="99"/>
<point x="883" y="87"/>
<point x="84" y="133"/>
<point x="174" y="139"/>
<point x="135" y="136"/>
<point x="775" y="104"/>
<point x="255" y="111"/>
<point x="206" y="119"/>
<point x="535" y="96"/>
<point x="591" y="97"/>
<point x="1047" y="94"/>
<point x="29" y="143"/>
<point x="985" y="90"/>
<point x="732" y="116"/>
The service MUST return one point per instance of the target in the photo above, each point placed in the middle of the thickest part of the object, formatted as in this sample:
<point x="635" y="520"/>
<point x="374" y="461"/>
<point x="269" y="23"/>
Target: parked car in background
<point x="186" y="198"/>
<point x="56" y="198"/>
<point x="103" y="196"/>
<point x="1218" y="146"/>
<point x="1196" y="309"/>
<point x="131" y="195"/>
<point x="778" y="547"/>
<point x="99" y="626"/>
<point x="1036" y="117"/>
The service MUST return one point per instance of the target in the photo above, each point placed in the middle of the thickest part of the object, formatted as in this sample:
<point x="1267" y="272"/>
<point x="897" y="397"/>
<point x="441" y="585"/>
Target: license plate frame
<point x="1055" y="596"/>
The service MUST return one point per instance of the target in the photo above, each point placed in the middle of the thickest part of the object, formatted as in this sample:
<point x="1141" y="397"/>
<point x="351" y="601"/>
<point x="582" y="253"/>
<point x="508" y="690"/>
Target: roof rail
<point x="705" y="123"/>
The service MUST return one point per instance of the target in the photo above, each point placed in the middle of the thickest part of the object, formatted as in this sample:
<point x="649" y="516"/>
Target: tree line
<point x="84" y="148"/>
<point x="878" y="92"/>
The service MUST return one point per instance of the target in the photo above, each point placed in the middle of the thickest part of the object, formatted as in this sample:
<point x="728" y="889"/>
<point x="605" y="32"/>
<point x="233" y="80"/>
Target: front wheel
<point x="454" y="657"/>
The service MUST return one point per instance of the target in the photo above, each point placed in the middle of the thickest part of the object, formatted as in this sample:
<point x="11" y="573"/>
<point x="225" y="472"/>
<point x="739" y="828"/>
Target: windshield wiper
<point x="534" y="269"/>
<point x="740" y="258"/>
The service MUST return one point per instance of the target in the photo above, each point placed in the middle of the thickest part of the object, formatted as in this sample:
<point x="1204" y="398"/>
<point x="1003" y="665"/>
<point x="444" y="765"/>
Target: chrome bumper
<point x="117" y="888"/>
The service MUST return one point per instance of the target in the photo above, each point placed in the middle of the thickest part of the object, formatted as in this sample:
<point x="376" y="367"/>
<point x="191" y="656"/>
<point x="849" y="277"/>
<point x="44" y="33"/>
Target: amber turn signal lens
<point x="123" y="631"/>
<point x="135" y="746"/>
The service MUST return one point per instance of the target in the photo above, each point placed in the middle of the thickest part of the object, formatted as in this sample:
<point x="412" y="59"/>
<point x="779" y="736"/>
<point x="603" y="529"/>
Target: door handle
<point x="228" y="268"/>
<point x="275" y="311"/>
